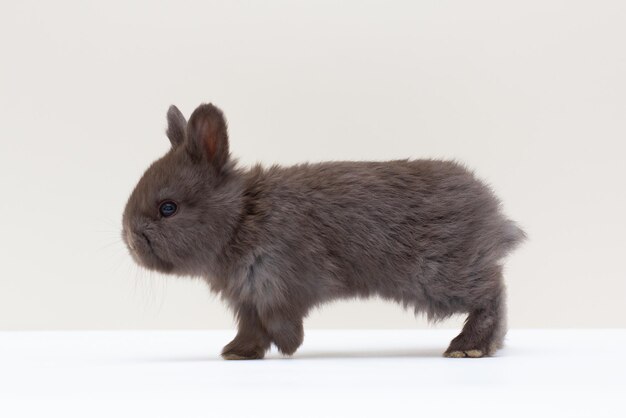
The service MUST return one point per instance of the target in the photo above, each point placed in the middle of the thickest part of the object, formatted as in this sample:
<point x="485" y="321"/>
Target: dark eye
<point x="168" y="208"/>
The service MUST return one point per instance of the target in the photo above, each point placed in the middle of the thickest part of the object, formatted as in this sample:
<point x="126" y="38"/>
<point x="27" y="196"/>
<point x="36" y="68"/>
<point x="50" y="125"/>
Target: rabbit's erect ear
<point x="208" y="136"/>
<point x="176" y="126"/>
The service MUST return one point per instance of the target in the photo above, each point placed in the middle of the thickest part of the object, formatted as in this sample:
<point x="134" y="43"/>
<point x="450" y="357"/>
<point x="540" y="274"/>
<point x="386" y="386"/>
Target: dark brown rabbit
<point x="275" y="242"/>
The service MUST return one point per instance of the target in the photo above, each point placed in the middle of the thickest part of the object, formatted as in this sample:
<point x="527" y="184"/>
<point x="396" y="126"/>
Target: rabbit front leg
<point x="251" y="341"/>
<point x="285" y="328"/>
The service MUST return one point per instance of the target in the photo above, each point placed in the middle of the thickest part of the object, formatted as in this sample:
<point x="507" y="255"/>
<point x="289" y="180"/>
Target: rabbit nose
<point x="129" y="240"/>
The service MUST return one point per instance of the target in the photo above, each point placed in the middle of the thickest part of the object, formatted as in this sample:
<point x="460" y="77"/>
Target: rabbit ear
<point x="208" y="136"/>
<point x="176" y="126"/>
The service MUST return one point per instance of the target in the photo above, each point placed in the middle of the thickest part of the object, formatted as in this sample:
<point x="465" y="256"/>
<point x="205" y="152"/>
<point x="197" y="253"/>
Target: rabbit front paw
<point x="243" y="353"/>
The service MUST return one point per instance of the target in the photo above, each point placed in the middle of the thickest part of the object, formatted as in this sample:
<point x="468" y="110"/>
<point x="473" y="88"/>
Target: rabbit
<point x="275" y="242"/>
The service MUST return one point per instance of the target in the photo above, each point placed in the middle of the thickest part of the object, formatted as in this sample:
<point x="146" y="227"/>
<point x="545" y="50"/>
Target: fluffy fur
<point x="275" y="242"/>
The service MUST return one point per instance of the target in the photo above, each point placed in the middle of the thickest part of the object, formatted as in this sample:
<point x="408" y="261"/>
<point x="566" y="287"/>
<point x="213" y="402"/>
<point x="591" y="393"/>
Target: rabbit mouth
<point x="157" y="262"/>
<point x="144" y="254"/>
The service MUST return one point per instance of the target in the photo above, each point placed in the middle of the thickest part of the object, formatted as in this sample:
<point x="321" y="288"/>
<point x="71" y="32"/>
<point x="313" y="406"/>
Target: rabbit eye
<point x="168" y="208"/>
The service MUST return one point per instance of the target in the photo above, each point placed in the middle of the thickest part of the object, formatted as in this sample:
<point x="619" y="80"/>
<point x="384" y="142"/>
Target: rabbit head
<point x="186" y="205"/>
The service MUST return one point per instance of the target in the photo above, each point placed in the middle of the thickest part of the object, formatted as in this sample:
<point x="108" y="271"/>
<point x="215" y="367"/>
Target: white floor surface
<point x="397" y="373"/>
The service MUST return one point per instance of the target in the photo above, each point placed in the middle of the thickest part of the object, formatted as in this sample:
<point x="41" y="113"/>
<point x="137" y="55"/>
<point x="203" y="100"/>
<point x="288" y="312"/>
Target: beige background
<point x="530" y="94"/>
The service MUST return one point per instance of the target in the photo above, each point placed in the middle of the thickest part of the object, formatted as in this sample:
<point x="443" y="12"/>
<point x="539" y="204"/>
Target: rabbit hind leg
<point x="484" y="330"/>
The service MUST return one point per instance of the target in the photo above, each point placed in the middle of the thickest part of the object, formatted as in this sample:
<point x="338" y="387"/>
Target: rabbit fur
<point x="276" y="241"/>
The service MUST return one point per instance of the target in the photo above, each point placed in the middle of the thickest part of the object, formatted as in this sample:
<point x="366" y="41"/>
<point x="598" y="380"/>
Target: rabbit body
<point x="275" y="242"/>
